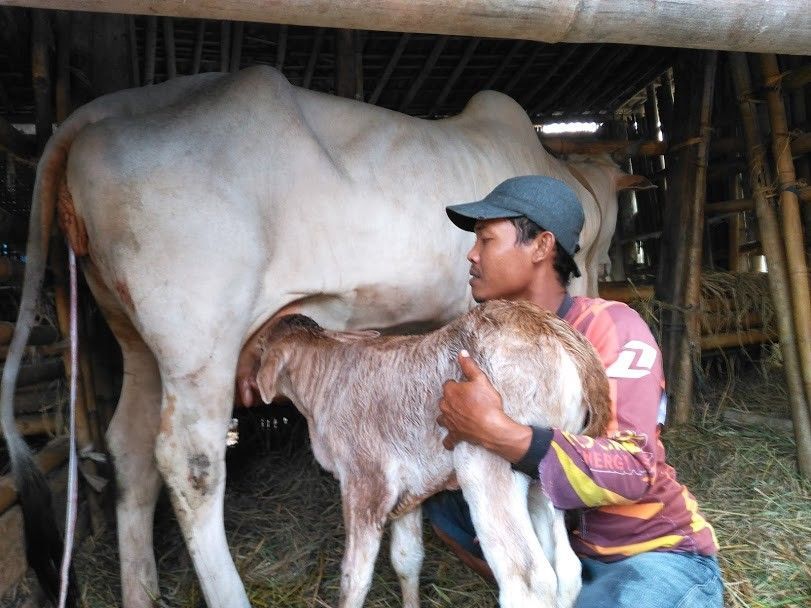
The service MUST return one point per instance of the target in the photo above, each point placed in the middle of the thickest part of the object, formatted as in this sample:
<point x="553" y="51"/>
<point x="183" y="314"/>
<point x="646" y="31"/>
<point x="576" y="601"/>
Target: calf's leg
<point x="550" y="527"/>
<point x="497" y="497"/>
<point x="407" y="553"/>
<point x="366" y="504"/>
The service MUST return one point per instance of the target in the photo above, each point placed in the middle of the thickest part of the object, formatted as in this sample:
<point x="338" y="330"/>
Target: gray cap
<point x="547" y="201"/>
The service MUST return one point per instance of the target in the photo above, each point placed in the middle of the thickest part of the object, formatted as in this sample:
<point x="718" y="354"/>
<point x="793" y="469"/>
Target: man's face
<point x="499" y="266"/>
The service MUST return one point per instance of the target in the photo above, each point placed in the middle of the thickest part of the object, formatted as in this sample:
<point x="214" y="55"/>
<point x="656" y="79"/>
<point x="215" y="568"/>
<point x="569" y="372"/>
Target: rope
<point x="72" y="493"/>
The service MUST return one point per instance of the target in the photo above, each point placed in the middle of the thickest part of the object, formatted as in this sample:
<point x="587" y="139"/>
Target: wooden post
<point x="672" y="245"/>
<point x="316" y="49"/>
<point x="150" y="42"/>
<point x="225" y="46"/>
<point x="169" y="47"/>
<point x="690" y="349"/>
<point x="236" y="47"/>
<point x="281" y="47"/>
<point x="775" y="256"/>
<point x="197" y="55"/>
<point x="345" y="78"/>
<point x="790" y="214"/>
<point x="63" y="44"/>
<point x="133" y="45"/>
<point x="41" y="76"/>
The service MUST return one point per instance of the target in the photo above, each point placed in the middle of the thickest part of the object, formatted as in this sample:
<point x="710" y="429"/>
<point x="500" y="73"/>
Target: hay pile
<point x="283" y="518"/>
<point x="729" y="302"/>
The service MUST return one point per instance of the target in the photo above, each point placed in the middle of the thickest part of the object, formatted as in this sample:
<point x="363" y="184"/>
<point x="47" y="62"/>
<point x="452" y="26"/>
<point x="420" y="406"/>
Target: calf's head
<point x="286" y="337"/>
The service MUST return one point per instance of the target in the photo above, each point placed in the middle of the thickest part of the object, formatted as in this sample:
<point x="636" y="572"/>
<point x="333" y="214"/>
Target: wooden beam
<point x="436" y="51"/>
<point x="40" y="334"/>
<point x="491" y="81"/>
<point x="236" y="47"/>
<point x="733" y="206"/>
<point x="546" y="103"/>
<point x="392" y="63"/>
<point x="169" y="47"/>
<point x="308" y="73"/>
<point x="519" y="73"/>
<point x="281" y="47"/>
<point x="197" y="54"/>
<point x="150" y="42"/>
<point x="565" y="145"/>
<point x="779" y="26"/>
<point x="457" y="71"/>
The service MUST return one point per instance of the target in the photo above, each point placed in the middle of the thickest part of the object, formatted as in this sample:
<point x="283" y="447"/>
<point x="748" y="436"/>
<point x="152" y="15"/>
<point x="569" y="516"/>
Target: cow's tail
<point x="42" y="537"/>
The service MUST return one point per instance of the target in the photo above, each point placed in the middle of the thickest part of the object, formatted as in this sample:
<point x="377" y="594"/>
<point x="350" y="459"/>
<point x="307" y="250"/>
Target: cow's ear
<point x="633" y="182"/>
<point x="267" y="378"/>
<point x="352" y="336"/>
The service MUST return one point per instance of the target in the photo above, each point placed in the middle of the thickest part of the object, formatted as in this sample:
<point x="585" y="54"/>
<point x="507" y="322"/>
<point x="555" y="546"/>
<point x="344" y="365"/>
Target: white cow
<point x="208" y="204"/>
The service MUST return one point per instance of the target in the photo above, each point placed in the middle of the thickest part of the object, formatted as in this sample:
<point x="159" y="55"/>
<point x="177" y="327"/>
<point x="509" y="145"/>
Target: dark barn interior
<point x="690" y="255"/>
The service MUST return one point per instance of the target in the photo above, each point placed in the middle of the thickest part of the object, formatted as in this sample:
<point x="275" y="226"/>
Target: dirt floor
<point x="284" y="525"/>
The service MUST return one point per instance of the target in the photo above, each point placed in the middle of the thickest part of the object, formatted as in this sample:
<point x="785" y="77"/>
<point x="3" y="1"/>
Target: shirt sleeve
<point x="578" y="471"/>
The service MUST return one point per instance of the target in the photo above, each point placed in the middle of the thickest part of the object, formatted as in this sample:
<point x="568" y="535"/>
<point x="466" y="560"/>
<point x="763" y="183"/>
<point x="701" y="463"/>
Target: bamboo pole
<point x="41" y="75"/>
<point x="345" y="78"/>
<point x="777" y="26"/>
<point x="689" y="349"/>
<point x="36" y="424"/>
<point x="775" y="256"/>
<point x="791" y="219"/>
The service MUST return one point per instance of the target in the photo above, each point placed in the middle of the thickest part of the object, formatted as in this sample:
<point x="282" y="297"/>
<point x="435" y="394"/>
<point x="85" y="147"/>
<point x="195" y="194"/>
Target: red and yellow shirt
<point x="630" y="498"/>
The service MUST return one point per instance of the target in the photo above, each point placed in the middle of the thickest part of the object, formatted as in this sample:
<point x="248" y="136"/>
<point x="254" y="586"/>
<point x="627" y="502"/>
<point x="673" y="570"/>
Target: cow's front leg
<point x="550" y="526"/>
<point x="497" y="497"/>
<point x="365" y="507"/>
<point x="190" y="453"/>
<point x="407" y="553"/>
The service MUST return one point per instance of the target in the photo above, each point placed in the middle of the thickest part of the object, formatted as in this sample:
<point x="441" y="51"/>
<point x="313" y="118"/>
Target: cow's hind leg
<point x="366" y="504"/>
<point x="407" y="553"/>
<point x="190" y="452"/>
<point x="497" y="497"/>
<point x="550" y="526"/>
<point x="131" y="441"/>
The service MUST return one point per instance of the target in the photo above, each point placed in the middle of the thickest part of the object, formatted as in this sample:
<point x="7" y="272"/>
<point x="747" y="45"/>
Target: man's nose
<point x="473" y="255"/>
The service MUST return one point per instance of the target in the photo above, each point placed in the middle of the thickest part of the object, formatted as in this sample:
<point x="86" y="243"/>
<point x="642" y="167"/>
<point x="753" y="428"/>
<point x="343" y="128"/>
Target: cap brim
<point x="466" y="215"/>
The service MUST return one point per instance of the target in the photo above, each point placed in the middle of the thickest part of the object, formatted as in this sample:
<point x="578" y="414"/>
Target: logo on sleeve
<point x="635" y="360"/>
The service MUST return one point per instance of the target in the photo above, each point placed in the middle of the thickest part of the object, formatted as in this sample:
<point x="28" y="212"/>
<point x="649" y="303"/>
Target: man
<point x="639" y="535"/>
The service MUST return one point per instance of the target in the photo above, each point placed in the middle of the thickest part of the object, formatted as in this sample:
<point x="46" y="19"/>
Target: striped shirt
<point x="630" y="499"/>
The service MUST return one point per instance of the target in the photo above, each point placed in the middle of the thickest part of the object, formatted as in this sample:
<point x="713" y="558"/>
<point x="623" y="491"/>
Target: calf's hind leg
<point x="550" y="527"/>
<point x="497" y="497"/>
<point x="407" y="553"/>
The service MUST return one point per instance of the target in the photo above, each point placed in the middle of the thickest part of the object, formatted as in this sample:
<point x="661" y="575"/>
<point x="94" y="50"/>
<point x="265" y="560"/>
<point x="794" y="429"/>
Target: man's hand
<point x="472" y="411"/>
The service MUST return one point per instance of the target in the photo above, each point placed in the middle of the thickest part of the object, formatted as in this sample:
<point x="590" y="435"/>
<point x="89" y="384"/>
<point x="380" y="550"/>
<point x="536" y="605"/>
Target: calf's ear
<point x="633" y="182"/>
<point x="273" y="364"/>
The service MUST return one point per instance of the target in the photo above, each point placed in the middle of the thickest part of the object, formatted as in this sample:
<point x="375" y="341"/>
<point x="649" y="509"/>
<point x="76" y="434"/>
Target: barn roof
<point x="424" y="75"/>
